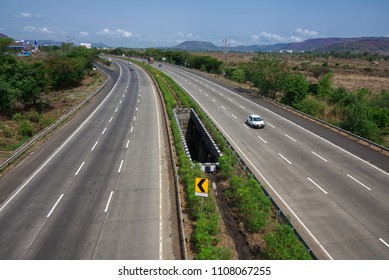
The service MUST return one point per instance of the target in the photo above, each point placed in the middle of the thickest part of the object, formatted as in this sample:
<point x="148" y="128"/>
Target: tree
<point x="325" y="85"/>
<point x="359" y="118"/>
<point x="318" y="71"/>
<point x="29" y="80"/>
<point x="296" y="89"/>
<point x="239" y="75"/>
<point x="269" y="75"/>
<point x="8" y="94"/>
<point x="4" y="43"/>
<point x="64" y="72"/>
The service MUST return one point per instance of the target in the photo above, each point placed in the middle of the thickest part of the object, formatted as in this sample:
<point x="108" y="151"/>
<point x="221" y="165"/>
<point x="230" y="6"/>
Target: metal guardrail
<point x="370" y="143"/>
<point x="22" y="149"/>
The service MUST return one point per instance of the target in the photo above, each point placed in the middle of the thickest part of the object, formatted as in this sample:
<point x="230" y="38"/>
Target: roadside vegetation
<point x="305" y="84"/>
<point x="36" y="90"/>
<point x="244" y="193"/>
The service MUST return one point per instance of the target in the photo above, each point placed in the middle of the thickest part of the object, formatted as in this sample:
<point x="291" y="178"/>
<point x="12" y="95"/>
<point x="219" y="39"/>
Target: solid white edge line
<point x="79" y="169"/>
<point x="108" y="202"/>
<point x="55" y="205"/>
<point x="358" y="182"/>
<point x="63" y="144"/>
<point x="383" y="241"/>
<point x="160" y="180"/>
<point x="313" y="182"/>
<point x="319" y="156"/>
<point x="285" y="158"/>
<point x="263" y="177"/>
<point x="120" y="167"/>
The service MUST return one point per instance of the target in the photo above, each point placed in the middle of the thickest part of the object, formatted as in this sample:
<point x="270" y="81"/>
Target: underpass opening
<point x="198" y="144"/>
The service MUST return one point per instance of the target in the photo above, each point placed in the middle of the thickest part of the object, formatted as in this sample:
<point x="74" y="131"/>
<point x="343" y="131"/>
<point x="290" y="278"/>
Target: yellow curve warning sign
<point x="201" y="187"/>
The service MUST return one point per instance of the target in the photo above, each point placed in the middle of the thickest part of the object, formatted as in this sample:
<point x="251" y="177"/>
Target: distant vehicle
<point x="160" y="65"/>
<point x="131" y="68"/>
<point x="151" y="59"/>
<point x="255" y="121"/>
<point x="129" y="63"/>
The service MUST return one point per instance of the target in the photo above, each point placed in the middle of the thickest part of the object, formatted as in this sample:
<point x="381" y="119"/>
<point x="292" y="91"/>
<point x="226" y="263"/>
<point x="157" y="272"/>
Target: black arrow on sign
<point x="200" y="185"/>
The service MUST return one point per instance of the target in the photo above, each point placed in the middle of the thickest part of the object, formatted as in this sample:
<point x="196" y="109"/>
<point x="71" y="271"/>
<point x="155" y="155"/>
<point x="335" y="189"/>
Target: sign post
<point x="201" y="189"/>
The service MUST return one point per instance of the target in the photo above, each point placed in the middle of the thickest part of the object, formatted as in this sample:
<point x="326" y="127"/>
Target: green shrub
<point x="214" y="253"/>
<point x="26" y="130"/>
<point x="252" y="203"/>
<point x="225" y="167"/>
<point x="283" y="244"/>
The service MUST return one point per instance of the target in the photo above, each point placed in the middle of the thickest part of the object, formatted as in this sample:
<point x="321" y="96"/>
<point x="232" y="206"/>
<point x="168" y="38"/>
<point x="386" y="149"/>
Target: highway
<point x="103" y="192"/>
<point x="338" y="201"/>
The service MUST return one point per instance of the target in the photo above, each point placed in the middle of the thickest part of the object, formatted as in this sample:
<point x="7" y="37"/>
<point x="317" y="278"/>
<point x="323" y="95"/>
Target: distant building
<point x="86" y="45"/>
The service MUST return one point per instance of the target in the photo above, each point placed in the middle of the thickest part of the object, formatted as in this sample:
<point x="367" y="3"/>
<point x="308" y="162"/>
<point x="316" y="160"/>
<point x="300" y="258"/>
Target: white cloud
<point x="180" y="37"/>
<point x="306" y="33"/>
<point x="115" y="33"/>
<point x="300" y="35"/>
<point x="124" y="33"/>
<point x="84" y="33"/>
<point x="44" y="30"/>
<point x="27" y="15"/>
<point x="30" y="28"/>
<point x="268" y="37"/>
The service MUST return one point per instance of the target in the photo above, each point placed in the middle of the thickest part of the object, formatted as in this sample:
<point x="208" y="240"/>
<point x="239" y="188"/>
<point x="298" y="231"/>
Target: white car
<point x="255" y="121"/>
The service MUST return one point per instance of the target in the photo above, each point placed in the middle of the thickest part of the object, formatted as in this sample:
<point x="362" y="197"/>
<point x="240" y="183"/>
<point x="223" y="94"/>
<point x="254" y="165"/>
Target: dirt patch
<point x="353" y="82"/>
<point x="232" y="229"/>
<point x="351" y="74"/>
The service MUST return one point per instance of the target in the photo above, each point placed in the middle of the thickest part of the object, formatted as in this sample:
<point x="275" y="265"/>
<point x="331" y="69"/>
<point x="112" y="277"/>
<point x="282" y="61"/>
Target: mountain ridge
<point x="362" y="44"/>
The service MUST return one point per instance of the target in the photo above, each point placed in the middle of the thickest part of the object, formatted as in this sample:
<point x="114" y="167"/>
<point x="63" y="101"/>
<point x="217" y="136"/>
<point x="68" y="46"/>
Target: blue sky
<point x="153" y="23"/>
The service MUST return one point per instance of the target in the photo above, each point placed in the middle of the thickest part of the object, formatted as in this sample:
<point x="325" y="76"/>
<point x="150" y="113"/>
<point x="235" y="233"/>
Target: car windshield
<point x="257" y="119"/>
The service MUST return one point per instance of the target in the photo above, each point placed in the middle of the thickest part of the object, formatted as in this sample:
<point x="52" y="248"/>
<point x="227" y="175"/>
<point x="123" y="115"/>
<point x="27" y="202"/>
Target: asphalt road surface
<point x="103" y="193"/>
<point x="337" y="200"/>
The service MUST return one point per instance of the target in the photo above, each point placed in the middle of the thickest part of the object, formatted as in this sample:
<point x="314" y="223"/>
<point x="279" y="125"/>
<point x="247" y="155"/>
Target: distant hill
<point x="100" y="46"/>
<point x="3" y="35"/>
<point x="363" y="44"/>
<point x="198" y="46"/>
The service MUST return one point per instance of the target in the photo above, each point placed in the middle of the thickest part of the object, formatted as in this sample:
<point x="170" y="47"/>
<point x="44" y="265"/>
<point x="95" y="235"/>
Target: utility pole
<point x="226" y="44"/>
<point x="70" y="41"/>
